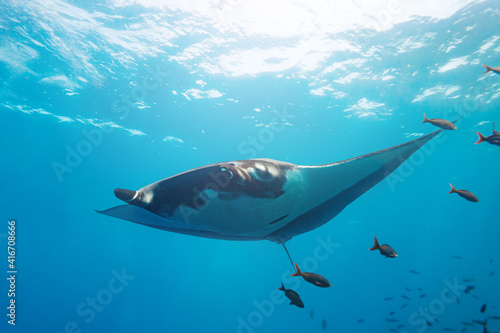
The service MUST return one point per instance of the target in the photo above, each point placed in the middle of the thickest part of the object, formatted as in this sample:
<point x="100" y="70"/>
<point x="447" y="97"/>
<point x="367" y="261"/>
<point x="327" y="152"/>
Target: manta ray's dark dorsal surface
<point x="260" y="198"/>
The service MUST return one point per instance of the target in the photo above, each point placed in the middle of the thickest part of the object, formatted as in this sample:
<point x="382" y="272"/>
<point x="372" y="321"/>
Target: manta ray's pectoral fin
<point x="332" y="187"/>
<point x="357" y="175"/>
<point x="143" y="216"/>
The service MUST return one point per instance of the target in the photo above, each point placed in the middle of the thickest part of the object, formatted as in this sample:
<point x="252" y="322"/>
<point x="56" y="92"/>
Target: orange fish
<point x="385" y="250"/>
<point x="444" y="124"/>
<point x="313" y="278"/>
<point x="491" y="69"/>
<point x="493" y="139"/>
<point x="464" y="194"/>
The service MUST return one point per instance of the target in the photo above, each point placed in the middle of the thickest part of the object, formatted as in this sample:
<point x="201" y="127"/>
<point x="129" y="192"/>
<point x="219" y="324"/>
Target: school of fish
<point x="387" y="251"/>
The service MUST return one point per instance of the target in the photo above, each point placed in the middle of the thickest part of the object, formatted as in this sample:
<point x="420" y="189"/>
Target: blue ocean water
<point x="120" y="94"/>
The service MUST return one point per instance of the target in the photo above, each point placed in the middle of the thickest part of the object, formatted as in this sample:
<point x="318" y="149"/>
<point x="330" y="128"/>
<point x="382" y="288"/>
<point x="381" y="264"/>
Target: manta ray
<point x="258" y="199"/>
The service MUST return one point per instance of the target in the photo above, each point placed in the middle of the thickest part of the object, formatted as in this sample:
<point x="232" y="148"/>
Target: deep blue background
<point x="66" y="252"/>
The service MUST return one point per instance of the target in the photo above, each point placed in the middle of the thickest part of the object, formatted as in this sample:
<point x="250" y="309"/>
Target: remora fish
<point x="260" y="198"/>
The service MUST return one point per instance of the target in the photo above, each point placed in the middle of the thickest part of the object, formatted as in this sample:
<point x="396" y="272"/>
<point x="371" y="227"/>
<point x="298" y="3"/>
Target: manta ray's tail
<point x="288" y="254"/>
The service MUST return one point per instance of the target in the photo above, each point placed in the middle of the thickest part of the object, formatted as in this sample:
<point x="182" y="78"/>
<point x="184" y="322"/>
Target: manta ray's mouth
<point x="125" y="195"/>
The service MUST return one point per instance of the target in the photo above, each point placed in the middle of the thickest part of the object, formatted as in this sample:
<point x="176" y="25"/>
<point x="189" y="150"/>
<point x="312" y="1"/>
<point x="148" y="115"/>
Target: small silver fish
<point x="468" y="289"/>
